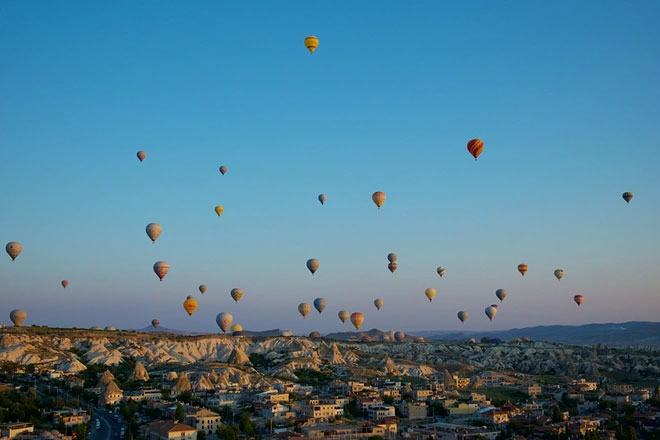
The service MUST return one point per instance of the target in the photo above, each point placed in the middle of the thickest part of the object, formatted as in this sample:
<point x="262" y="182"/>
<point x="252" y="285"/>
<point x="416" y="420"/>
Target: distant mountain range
<point x="637" y="333"/>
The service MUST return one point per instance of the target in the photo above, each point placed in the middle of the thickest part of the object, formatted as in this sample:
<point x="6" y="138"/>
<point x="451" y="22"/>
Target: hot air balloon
<point x="378" y="302"/>
<point x="357" y="318"/>
<point x="627" y="196"/>
<point x="202" y="288"/>
<point x="314" y="335"/>
<point x="236" y="293"/>
<point x="313" y="265"/>
<point x="320" y="303"/>
<point x="475" y="147"/>
<point x="17" y="317"/>
<point x="379" y="198"/>
<point x="522" y="268"/>
<point x="304" y="309"/>
<point x="65" y="283"/>
<point x="399" y="336"/>
<point x="441" y="271"/>
<point x="501" y="294"/>
<point x="161" y="269"/>
<point x="343" y="315"/>
<point x="579" y="299"/>
<point x="322" y="198"/>
<point x="155" y="323"/>
<point x="559" y="273"/>
<point x="219" y="209"/>
<point x="14" y="249"/>
<point x="141" y="155"/>
<point x="236" y="328"/>
<point x="494" y="305"/>
<point x="491" y="312"/>
<point x="153" y="231"/>
<point x="393" y="266"/>
<point x="190" y="305"/>
<point x="462" y="315"/>
<point x="430" y="293"/>
<point x="311" y="43"/>
<point x="224" y="321"/>
<point x="223" y="169"/>
<point x="392" y="257"/>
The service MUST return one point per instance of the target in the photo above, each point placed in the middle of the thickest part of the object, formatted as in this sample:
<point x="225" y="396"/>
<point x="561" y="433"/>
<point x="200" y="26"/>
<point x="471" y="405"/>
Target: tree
<point x="246" y="425"/>
<point x="179" y="414"/>
<point x="201" y="435"/>
<point x="227" y="432"/>
<point x="556" y="414"/>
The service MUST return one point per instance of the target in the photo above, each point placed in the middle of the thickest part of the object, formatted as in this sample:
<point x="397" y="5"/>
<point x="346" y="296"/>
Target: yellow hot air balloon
<point x="559" y="274"/>
<point x="236" y="293"/>
<point x="13" y="249"/>
<point x="161" y="269"/>
<point x="153" y="231"/>
<point x="430" y="293"/>
<point x="311" y="43"/>
<point x="357" y="318"/>
<point x="219" y="209"/>
<point x="304" y="309"/>
<point x="190" y="305"/>
<point x="379" y="198"/>
<point x="343" y="315"/>
<point x="236" y="328"/>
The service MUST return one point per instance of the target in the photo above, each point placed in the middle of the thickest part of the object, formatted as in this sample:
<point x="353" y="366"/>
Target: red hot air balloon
<point x="579" y="299"/>
<point x="475" y="147"/>
<point x="522" y="268"/>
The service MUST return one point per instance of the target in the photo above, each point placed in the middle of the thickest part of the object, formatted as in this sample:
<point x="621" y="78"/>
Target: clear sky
<point x="565" y="94"/>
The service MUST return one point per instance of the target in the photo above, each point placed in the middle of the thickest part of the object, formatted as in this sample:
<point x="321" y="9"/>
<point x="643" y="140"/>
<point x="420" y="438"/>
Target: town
<point x="104" y="386"/>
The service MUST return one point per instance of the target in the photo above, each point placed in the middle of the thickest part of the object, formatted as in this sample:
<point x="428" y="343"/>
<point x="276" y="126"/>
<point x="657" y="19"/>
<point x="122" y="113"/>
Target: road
<point x="109" y="427"/>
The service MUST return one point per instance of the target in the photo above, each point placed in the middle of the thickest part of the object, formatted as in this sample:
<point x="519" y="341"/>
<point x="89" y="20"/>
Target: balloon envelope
<point x="378" y="198"/>
<point x="475" y="147"/>
<point x="161" y="269"/>
<point x="313" y="265"/>
<point x="141" y="155"/>
<point x="236" y="294"/>
<point x="430" y="293"/>
<point x="224" y="321"/>
<point x="155" y="323"/>
<point x="153" y="231"/>
<point x="399" y="336"/>
<point x="501" y="294"/>
<point x="490" y="312"/>
<point x="311" y="43"/>
<point x="627" y="196"/>
<point x="65" y="283"/>
<point x="343" y="315"/>
<point x="13" y="249"/>
<point x="392" y="257"/>
<point x="378" y="302"/>
<point x="559" y="273"/>
<point x="522" y="268"/>
<point x="393" y="266"/>
<point x="357" y="318"/>
<point x="219" y="209"/>
<point x="236" y="328"/>
<point x="441" y="271"/>
<point x="202" y="288"/>
<point x="323" y="198"/>
<point x="190" y="305"/>
<point x="304" y="309"/>
<point x="223" y="169"/>
<point x="320" y="303"/>
<point x="17" y="317"/>
<point x="463" y="315"/>
<point x="579" y="299"/>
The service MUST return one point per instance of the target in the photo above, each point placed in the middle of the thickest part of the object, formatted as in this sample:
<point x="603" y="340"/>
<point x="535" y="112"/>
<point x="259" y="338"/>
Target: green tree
<point x="179" y="414"/>
<point x="246" y="425"/>
<point x="227" y="432"/>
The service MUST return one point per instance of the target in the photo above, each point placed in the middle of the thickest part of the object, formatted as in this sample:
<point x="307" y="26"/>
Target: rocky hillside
<point x="70" y="351"/>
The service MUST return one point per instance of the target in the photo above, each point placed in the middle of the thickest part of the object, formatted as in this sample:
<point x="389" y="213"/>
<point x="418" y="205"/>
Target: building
<point x="70" y="417"/>
<point x="619" y="388"/>
<point x="273" y="397"/>
<point x="421" y="395"/>
<point x="277" y="411"/>
<point x="534" y="390"/>
<point x="496" y="417"/>
<point x="204" y="420"/>
<point x="11" y="430"/>
<point x="323" y="411"/>
<point x="413" y="411"/>
<point x="462" y="408"/>
<point x="584" y="385"/>
<point x="381" y="411"/>
<point x="168" y="430"/>
<point x="461" y="382"/>
<point x="111" y="395"/>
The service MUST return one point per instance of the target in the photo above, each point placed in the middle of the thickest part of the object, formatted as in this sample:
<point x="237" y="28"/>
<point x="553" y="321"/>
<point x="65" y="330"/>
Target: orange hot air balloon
<point x="190" y="305"/>
<point x="579" y="299"/>
<point x="202" y="289"/>
<point x="141" y="155"/>
<point x="475" y="147"/>
<point x="161" y="269"/>
<point x="65" y="283"/>
<point x="357" y="318"/>
<point x="393" y="266"/>
<point x="522" y="268"/>
<point x="13" y="249"/>
<point x="379" y="198"/>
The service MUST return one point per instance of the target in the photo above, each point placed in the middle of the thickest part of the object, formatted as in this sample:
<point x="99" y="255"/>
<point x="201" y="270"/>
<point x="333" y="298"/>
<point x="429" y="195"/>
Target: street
<point x="110" y="426"/>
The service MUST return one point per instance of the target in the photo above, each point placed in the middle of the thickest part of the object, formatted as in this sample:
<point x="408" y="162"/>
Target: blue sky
<point x="565" y="95"/>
